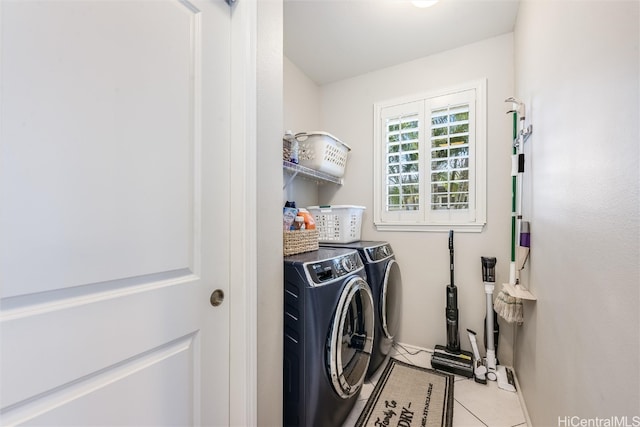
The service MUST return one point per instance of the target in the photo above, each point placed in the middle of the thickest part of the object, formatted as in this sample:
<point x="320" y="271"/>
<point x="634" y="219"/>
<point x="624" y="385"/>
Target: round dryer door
<point x="390" y="307"/>
<point x="351" y="338"/>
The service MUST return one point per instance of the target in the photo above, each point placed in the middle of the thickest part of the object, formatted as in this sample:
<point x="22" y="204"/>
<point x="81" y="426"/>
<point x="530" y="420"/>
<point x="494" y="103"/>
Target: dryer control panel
<point x="331" y="269"/>
<point x="378" y="253"/>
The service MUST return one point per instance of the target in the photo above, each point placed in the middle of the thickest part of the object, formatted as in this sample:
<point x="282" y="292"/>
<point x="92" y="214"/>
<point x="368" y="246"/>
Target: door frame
<point x="243" y="322"/>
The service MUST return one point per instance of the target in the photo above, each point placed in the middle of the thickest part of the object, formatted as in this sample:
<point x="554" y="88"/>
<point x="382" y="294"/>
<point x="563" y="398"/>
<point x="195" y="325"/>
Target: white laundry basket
<point x="323" y="152"/>
<point x="338" y="223"/>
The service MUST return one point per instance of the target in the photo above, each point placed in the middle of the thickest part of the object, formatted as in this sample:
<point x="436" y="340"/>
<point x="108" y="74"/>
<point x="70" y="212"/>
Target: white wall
<point x="302" y="109"/>
<point x="302" y="113"/>
<point x="577" y="68"/>
<point x="269" y="226"/>
<point x="347" y="109"/>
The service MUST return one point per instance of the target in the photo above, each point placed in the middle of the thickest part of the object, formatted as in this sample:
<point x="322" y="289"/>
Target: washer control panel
<point x="331" y="269"/>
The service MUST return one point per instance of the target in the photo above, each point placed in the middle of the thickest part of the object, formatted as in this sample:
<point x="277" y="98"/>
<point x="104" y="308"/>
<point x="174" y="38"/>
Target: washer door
<point x="351" y="338"/>
<point x="390" y="307"/>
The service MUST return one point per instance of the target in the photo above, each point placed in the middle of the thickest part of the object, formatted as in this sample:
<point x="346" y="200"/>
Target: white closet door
<point x="113" y="232"/>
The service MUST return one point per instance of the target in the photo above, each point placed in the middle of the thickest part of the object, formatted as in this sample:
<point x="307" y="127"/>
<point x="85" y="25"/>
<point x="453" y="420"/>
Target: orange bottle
<point x="309" y="221"/>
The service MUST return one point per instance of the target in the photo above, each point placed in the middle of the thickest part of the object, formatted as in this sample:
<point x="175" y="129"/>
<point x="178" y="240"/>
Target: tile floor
<point x="475" y="405"/>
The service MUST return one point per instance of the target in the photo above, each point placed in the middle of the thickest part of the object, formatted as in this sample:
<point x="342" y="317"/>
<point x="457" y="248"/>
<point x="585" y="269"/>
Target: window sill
<point x="461" y="228"/>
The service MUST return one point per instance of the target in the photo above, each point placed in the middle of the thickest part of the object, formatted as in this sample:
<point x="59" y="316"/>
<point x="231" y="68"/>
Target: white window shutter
<point x="402" y="150"/>
<point x="430" y="161"/>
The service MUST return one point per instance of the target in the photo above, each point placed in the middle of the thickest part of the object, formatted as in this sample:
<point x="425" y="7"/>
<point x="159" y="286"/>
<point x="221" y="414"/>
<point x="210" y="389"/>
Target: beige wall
<point x="347" y="108"/>
<point x="577" y="68"/>
<point x="302" y="113"/>
<point x="302" y="108"/>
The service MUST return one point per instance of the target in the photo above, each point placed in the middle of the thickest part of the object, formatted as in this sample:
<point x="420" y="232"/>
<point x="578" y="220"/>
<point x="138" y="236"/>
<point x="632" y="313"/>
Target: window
<point x="430" y="161"/>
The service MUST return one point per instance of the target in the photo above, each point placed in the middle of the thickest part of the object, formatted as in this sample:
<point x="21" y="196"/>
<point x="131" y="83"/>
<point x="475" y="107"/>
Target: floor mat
<point x="409" y="396"/>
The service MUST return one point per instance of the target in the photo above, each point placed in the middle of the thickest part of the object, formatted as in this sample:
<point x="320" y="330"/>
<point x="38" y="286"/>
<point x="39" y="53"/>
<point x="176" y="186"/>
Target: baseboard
<point x="523" y="405"/>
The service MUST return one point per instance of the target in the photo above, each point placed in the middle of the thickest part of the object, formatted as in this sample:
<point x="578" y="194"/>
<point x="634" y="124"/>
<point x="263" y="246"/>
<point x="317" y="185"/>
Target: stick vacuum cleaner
<point x="451" y="358"/>
<point x="494" y="372"/>
<point x="489" y="279"/>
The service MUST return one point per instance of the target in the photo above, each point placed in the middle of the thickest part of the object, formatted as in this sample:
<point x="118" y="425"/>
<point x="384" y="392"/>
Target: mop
<point x="507" y="306"/>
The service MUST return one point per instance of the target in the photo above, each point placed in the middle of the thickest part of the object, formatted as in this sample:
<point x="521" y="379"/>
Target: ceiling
<point x="330" y="40"/>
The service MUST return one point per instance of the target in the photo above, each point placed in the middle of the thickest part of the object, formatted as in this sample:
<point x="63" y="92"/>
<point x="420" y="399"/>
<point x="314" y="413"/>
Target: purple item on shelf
<point x="525" y="235"/>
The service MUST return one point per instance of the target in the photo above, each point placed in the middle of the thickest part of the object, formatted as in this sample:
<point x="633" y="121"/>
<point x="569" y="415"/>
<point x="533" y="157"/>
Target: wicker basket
<point x="297" y="242"/>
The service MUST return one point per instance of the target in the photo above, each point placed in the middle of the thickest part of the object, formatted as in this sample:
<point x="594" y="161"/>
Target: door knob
<point x="216" y="297"/>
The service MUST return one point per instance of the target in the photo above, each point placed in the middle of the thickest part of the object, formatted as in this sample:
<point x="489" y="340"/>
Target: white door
<point x="114" y="182"/>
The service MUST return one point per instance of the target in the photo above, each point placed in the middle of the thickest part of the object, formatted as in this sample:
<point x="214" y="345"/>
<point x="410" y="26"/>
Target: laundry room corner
<point x="347" y="109"/>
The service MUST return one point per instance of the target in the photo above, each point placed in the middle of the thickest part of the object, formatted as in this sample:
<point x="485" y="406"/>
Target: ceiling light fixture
<point x="424" y="3"/>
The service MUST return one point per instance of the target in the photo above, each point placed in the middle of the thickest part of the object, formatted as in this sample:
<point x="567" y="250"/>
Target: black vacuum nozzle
<point x="488" y="269"/>
<point x="451" y="314"/>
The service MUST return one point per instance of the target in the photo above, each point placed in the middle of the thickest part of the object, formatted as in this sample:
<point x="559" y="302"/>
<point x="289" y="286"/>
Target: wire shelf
<point x="295" y="169"/>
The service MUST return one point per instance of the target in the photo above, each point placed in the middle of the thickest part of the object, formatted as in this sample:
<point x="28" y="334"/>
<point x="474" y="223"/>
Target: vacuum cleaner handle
<point x="451" y="312"/>
<point x="451" y="256"/>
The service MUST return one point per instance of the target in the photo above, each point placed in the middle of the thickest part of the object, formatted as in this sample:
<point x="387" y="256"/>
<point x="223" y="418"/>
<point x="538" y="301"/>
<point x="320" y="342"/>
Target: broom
<point x="508" y="307"/>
